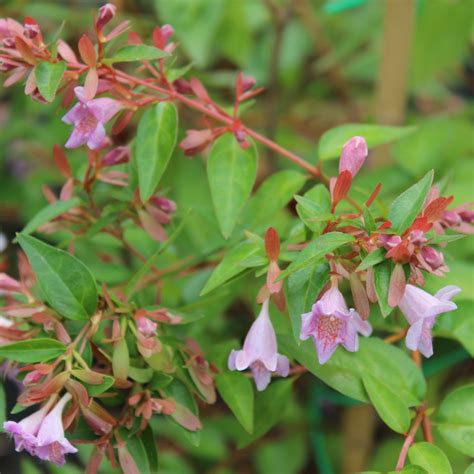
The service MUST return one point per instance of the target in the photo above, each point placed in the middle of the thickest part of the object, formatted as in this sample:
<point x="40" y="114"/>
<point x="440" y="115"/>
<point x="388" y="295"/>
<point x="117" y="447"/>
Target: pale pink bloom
<point x="353" y="156"/>
<point x="421" y="310"/>
<point x="9" y="284"/>
<point x="146" y="326"/>
<point x="89" y="118"/>
<point x="24" y="432"/>
<point x="260" y="352"/>
<point x="52" y="444"/>
<point x="331" y="323"/>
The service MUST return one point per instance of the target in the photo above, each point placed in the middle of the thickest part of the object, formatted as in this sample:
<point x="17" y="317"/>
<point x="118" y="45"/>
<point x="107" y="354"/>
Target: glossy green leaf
<point x="344" y="371"/>
<point x="154" y="145"/>
<point x="373" y="258"/>
<point x="316" y="251"/>
<point x="231" y="265"/>
<point x="231" y="172"/>
<point x="303" y="288"/>
<point x="332" y="141"/>
<point x="429" y="457"/>
<point x="66" y="283"/>
<point x="315" y="203"/>
<point x="50" y="212"/>
<point x="33" y="350"/>
<point x="148" y="439"/>
<point x="389" y="406"/>
<point x="237" y="392"/>
<point x="382" y="274"/>
<point x="272" y="196"/>
<point x="48" y="77"/>
<point x="409" y="204"/>
<point x="455" y="419"/>
<point x="270" y="406"/>
<point x="137" y="52"/>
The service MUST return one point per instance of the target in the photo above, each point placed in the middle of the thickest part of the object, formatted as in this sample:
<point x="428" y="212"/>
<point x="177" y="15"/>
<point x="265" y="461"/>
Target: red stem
<point x="409" y="439"/>
<point x="171" y="94"/>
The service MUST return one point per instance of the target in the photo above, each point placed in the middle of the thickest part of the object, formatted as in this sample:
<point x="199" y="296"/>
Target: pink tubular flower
<point x="421" y="309"/>
<point x="52" y="445"/>
<point x="89" y="118"/>
<point x="331" y="323"/>
<point x="353" y="155"/>
<point x="24" y="432"/>
<point x="260" y="352"/>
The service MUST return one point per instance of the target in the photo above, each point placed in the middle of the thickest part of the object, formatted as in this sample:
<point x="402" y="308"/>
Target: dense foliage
<point x="192" y="289"/>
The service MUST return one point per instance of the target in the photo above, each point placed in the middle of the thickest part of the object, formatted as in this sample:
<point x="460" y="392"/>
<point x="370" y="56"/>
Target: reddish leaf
<point x="435" y="208"/>
<point x="397" y="286"/>
<point x="87" y="51"/>
<point x="25" y="50"/>
<point x="272" y="244"/>
<point x="374" y="195"/>
<point x="61" y="161"/>
<point x="341" y="187"/>
<point x="359" y="295"/>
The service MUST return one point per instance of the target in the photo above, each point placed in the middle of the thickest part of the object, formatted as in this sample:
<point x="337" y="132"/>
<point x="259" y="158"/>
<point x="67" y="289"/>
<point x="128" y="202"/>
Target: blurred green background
<point x="324" y="63"/>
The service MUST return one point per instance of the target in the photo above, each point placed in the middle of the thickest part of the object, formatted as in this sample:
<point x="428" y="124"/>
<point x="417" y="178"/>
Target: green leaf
<point x="409" y="204"/>
<point x="34" y="350"/>
<point x="332" y="141"/>
<point x="187" y="18"/>
<point x="303" y="288"/>
<point x="66" y="283"/>
<point x="155" y="142"/>
<point x="382" y="274"/>
<point x="270" y="406"/>
<point x="389" y="406"/>
<point x="316" y="250"/>
<point x="429" y="457"/>
<point x="470" y="469"/>
<point x="136" y="448"/>
<point x="274" y="193"/>
<point x="148" y="440"/>
<point x="231" y="266"/>
<point x="136" y="52"/>
<point x="460" y="327"/>
<point x="237" y="392"/>
<point x="344" y="371"/>
<point x="455" y="418"/>
<point x="3" y="406"/>
<point x="121" y="359"/>
<point x="94" y="390"/>
<point x="231" y="172"/>
<point x="49" y="213"/>
<point x="315" y="203"/>
<point x="48" y="77"/>
<point x="373" y="258"/>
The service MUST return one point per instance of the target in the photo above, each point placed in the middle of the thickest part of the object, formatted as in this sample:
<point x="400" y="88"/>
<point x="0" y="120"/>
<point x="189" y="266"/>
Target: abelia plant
<point x="105" y="363"/>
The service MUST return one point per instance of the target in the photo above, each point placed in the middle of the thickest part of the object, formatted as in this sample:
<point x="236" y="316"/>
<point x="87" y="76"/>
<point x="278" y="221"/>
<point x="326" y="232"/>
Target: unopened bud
<point x="106" y="13"/>
<point x="432" y="257"/>
<point x="353" y="155"/>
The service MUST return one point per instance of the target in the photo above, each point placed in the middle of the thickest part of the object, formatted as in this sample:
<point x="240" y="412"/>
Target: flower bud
<point x="106" y="13"/>
<point x="117" y="156"/>
<point x="353" y="155"/>
<point x="432" y="257"/>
